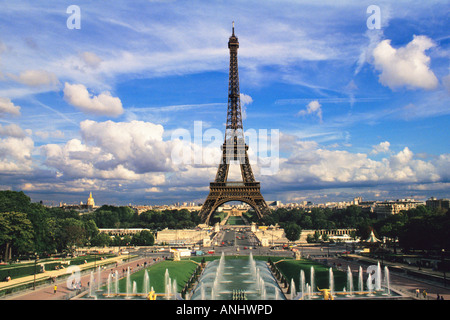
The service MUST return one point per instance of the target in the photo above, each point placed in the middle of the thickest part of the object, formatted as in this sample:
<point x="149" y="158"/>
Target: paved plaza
<point x="400" y="281"/>
<point x="46" y="291"/>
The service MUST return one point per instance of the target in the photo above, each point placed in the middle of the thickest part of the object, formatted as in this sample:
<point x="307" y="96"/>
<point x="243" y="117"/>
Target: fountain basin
<point x="251" y="279"/>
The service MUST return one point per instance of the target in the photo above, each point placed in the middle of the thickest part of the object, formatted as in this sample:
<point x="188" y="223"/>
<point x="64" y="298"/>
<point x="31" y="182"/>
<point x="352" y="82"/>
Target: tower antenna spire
<point x="234" y="149"/>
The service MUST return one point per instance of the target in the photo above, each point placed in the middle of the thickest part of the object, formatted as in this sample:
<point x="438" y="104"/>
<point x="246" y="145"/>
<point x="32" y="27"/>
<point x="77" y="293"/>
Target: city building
<point x="81" y="208"/>
<point x="434" y="203"/>
<point x="90" y="202"/>
<point x="387" y="208"/>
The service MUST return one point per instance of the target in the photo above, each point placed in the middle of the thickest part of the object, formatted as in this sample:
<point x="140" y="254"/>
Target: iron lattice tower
<point x="234" y="149"/>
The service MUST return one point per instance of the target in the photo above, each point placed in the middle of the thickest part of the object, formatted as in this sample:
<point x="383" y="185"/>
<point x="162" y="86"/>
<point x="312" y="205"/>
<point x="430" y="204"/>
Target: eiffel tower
<point x="234" y="149"/>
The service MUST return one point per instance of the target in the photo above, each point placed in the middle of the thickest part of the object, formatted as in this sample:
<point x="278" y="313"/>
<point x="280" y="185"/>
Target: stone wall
<point x="179" y="236"/>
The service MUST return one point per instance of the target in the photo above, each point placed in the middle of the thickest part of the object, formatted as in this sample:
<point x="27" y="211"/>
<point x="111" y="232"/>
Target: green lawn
<point x="182" y="271"/>
<point x="18" y="270"/>
<point x="233" y="220"/>
<point x="291" y="270"/>
<point x="179" y="270"/>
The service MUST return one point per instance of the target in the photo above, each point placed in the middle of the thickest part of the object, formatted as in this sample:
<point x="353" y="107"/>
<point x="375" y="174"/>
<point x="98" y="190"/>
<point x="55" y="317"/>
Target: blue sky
<point x="359" y="111"/>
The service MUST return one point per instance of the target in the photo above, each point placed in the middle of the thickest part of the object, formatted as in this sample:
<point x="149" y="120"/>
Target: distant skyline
<point x="359" y="92"/>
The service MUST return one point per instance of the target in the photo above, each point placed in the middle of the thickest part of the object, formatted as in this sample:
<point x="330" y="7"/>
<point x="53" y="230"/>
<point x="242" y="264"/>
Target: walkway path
<point x="402" y="282"/>
<point x="46" y="292"/>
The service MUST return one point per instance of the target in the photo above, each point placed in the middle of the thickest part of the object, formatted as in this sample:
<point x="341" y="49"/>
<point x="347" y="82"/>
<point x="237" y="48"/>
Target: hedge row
<point x="18" y="271"/>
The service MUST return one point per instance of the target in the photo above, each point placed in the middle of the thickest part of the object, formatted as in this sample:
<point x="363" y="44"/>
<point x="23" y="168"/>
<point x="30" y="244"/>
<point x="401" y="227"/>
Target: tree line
<point x="27" y="227"/>
<point x="421" y="228"/>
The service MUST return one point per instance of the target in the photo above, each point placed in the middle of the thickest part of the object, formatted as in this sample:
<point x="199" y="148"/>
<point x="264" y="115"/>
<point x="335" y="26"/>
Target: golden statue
<point x="151" y="295"/>
<point x="326" y="294"/>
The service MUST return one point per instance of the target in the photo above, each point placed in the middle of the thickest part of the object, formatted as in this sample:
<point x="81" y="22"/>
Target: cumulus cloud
<point x="245" y="100"/>
<point x="382" y="147"/>
<point x="312" y="166"/>
<point x="133" y="156"/>
<point x="129" y="155"/>
<point x="90" y="59"/>
<point x="36" y="78"/>
<point x="406" y="66"/>
<point x="126" y="151"/>
<point x="6" y="106"/>
<point x="15" y="154"/>
<point x="314" y="107"/>
<point x="136" y="144"/>
<point x="12" y="130"/>
<point x="103" y="104"/>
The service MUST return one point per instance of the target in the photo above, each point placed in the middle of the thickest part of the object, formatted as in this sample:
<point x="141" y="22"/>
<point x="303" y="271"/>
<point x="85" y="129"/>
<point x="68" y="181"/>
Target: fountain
<point x="360" y="280"/>
<point x="167" y="285"/>
<point x="91" y="285"/>
<point x="202" y="293"/>
<point x="331" y="280"/>
<point x="387" y="281"/>
<point x="366" y="289"/>
<point x="108" y="284"/>
<point x="99" y="279"/>
<point x="248" y="279"/>
<point x="146" y="285"/>
<point x="116" y="282"/>
<point x="293" y="293"/>
<point x="378" y="278"/>
<point x="370" y="285"/>
<point x="349" y="282"/>
<point x="223" y="278"/>
<point x="174" y="289"/>
<point x="302" y="282"/>
<point x="128" y="283"/>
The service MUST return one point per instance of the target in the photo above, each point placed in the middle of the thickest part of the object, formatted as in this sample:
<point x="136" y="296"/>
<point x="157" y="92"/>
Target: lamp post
<point x="443" y="265"/>
<point x="35" y="264"/>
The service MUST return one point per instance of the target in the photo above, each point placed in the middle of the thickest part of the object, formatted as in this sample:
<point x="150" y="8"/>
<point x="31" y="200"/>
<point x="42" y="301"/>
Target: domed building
<point x="90" y="201"/>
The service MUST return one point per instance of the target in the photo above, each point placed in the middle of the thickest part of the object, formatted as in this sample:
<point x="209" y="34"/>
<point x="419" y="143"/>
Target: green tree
<point x="91" y="229"/>
<point x="101" y="240"/>
<point x="16" y="234"/>
<point x="106" y="218"/>
<point x="292" y="232"/>
<point x="44" y="226"/>
<point x="143" y="238"/>
<point x="13" y="201"/>
<point x="71" y="233"/>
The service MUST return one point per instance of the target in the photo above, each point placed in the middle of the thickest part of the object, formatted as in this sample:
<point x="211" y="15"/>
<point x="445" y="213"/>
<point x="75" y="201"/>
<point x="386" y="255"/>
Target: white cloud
<point x="109" y="150"/>
<point x="90" y="59"/>
<point x="365" y="56"/>
<point x="153" y="189"/>
<point x="245" y="101"/>
<point x="310" y="166"/>
<point x="132" y="154"/>
<point x="103" y="104"/>
<point x="382" y="147"/>
<point x="49" y="134"/>
<point x="15" y="154"/>
<point x="314" y="107"/>
<point x="12" y="130"/>
<point x="406" y="66"/>
<point x="138" y="144"/>
<point x="6" y="106"/>
<point x="36" y="78"/>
